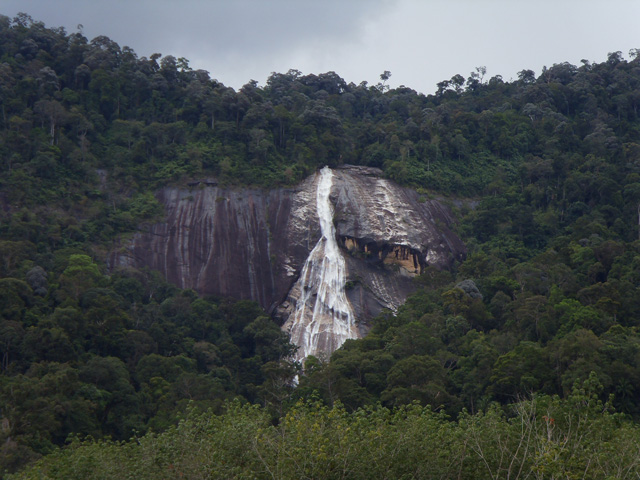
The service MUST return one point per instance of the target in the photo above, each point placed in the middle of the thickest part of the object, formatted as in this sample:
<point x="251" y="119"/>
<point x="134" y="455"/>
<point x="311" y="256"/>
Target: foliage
<point x="543" y="437"/>
<point x="110" y="356"/>
<point x="544" y="173"/>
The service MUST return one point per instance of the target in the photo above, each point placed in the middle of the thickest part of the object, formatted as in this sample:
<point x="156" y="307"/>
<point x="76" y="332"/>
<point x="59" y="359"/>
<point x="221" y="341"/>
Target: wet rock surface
<point x="253" y="244"/>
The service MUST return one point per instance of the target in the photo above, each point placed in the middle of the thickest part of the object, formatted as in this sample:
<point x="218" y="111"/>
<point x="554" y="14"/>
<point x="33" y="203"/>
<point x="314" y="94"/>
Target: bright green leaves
<point x="543" y="436"/>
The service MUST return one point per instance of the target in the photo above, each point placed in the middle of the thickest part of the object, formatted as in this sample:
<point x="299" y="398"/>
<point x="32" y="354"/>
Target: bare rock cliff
<point x="390" y="234"/>
<point x="252" y="244"/>
<point x="240" y="243"/>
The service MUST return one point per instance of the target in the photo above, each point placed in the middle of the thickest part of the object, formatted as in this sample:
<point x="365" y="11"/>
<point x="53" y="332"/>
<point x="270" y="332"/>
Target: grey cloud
<point x="420" y="41"/>
<point x="215" y="35"/>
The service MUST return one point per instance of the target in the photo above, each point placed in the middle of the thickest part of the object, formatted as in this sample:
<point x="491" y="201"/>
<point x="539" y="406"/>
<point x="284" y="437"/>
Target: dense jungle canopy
<point x="539" y="323"/>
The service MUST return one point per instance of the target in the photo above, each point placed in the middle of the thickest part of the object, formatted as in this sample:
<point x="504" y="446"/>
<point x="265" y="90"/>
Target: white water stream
<point x="323" y="318"/>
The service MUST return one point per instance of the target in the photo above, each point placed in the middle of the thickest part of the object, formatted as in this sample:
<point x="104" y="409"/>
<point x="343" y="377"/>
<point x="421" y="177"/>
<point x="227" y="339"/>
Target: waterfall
<point x="323" y="318"/>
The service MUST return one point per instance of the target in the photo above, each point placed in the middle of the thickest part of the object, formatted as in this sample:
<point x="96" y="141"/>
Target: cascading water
<point x="323" y="318"/>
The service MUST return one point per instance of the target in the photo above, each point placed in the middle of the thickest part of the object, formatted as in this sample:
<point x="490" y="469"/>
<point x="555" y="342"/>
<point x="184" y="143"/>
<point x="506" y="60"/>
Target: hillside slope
<point x="90" y="132"/>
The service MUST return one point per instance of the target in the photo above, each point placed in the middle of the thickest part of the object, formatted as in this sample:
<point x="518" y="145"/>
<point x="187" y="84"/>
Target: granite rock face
<point x="395" y="224"/>
<point x="253" y="244"/>
<point x="240" y="243"/>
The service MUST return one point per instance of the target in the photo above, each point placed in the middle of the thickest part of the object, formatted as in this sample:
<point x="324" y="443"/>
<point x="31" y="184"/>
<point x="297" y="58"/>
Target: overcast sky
<point x="421" y="42"/>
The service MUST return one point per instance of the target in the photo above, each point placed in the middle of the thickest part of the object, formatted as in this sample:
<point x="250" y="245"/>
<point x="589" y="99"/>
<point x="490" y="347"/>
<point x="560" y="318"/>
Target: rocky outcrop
<point x="241" y="243"/>
<point x="377" y="217"/>
<point x="253" y="244"/>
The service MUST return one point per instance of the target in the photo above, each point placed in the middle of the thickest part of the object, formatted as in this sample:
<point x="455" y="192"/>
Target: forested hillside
<point x="543" y="173"/>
